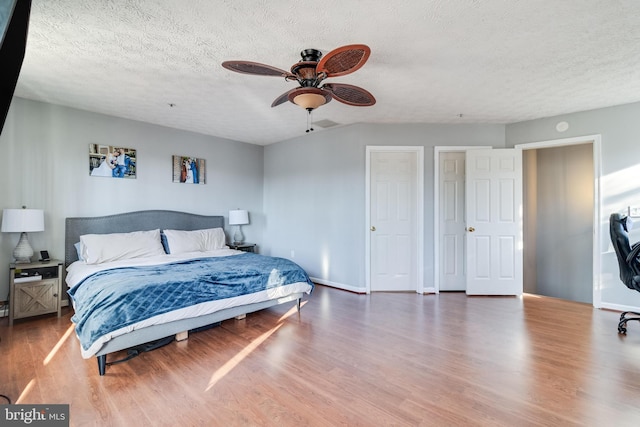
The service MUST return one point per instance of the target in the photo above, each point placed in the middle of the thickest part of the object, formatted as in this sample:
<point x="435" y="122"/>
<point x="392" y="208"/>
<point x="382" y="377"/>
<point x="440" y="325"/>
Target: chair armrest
<point x="631" y="258"/>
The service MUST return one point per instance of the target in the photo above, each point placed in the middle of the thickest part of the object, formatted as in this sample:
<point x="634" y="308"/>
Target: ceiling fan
<point x="311" y="71"/>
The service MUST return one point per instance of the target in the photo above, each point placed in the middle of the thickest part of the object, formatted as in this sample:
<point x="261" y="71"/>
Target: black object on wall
<point x="14" y="43"/>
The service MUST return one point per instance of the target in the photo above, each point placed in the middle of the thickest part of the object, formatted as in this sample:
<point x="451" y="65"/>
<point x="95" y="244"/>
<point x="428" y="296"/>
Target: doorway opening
<point x="579" y="195"/>
<point x="561" y="212"/>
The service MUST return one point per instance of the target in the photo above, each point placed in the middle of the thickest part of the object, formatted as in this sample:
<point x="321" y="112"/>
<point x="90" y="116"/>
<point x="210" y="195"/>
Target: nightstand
<point x="246" y="247"/>
<point x="35" y="289"/>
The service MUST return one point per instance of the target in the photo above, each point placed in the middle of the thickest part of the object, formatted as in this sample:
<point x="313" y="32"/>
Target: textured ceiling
<point x="438" y="61"/>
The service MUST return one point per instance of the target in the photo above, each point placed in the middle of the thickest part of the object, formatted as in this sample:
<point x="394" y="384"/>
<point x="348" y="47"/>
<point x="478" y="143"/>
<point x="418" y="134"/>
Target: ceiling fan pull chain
<point x="309" y="120"/>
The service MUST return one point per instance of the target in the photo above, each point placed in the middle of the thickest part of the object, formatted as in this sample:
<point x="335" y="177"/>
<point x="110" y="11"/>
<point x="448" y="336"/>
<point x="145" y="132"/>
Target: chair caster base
<point x="622" y="324"/>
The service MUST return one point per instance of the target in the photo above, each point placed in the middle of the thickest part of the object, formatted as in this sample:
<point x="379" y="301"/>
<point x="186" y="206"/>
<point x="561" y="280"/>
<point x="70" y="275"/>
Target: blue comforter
<point x="112" y="299"/>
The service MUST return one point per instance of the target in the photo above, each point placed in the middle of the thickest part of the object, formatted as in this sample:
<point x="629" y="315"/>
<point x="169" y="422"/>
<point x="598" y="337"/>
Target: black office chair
<point x="628" y="262"/>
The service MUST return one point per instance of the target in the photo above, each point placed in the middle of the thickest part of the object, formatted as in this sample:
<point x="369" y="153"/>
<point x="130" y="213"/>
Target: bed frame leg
<point x="102" y="364"/>
<point x="298" y="304"/>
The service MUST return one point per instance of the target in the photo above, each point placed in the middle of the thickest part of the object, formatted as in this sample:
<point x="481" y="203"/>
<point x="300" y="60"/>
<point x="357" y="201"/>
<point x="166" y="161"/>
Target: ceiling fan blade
<point x="344" y="60"/>
<point x="350" y="95"/>
<point x="255" y="68"/>
<point x="282" y="98"/>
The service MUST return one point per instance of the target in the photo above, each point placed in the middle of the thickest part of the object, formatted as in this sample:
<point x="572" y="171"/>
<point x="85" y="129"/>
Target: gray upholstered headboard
<point x="132" y="221"/>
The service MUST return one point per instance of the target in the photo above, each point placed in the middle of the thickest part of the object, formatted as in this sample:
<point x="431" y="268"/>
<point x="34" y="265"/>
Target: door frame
<point x="596" y="142"/>
<point x="436" y="208"/>
<point x="419" y="151"/>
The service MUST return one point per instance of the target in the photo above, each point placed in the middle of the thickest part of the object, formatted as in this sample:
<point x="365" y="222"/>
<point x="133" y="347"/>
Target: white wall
<point x="619" y="128"/>
<point x="45" y="151"/>
<point x="315" y="193"/>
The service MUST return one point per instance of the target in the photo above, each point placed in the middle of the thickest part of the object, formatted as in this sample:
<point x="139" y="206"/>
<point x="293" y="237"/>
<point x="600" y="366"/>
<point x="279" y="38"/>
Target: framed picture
<point x="112" y="161"/>
<point x="189" y="170"/>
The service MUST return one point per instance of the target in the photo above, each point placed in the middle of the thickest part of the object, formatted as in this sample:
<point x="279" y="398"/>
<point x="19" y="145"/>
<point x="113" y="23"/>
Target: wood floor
<point x="347" y="359"/>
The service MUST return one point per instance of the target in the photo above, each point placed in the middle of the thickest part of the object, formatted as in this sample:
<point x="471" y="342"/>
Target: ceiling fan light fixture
<point x="309" y="101"/>
<point x="309" y="98"/>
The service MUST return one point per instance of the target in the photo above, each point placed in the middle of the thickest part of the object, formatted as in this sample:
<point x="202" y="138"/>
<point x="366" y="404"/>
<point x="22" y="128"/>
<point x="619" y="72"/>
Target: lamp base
<point x="23" y="250"/>
<point x="238" y="237"/>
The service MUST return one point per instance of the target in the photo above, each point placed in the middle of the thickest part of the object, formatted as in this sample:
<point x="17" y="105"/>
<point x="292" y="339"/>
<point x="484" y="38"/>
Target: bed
<point x="126" y="292"/>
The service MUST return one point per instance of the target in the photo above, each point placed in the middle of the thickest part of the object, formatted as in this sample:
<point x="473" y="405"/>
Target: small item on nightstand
<point x="245" y="247"/>
<point x="44" y="256"/>
<point x="24" y="279"/>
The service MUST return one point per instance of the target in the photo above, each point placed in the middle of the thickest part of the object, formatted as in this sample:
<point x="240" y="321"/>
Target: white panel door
<point x="393" y="221"/>
<point x="452" y="221"/>
<point x="494" y="222"/>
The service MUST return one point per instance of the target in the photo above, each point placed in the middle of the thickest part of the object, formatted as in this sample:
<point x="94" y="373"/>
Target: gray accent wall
<point x="45" y="152"/>
<point x="558" y="220"/>
<point x="315" y="194"/>
<point x="619" y="128"/>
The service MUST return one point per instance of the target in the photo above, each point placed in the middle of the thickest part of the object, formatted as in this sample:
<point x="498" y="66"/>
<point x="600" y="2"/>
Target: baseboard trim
<point x="357" y="290"/>
<point x="619" y="307"/>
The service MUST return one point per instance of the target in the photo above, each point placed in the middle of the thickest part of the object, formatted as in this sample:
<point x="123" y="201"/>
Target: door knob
<point x="471" y="229"/>
<point x="373" y="228"/>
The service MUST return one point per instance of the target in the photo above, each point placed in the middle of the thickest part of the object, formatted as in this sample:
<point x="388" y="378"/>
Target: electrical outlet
<point x="293" y="253"/>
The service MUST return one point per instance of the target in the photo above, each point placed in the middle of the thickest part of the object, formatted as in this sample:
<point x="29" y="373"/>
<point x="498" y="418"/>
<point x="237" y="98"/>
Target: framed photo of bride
<point x="112" y="161"/>
<point x="189" y="170"/>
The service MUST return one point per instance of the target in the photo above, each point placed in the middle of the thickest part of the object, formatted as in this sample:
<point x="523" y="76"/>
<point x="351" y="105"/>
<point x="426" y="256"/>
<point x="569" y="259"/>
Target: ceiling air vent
<point x="325" y="123"/>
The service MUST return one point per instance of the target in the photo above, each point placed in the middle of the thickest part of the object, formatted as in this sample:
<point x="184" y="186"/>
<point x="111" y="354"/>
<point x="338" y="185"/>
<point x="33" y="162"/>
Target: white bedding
<point x="77" y="271"/>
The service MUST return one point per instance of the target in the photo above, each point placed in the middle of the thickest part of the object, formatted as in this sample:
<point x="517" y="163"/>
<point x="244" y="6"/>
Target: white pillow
<point x="213" y="239"/>
<point x="99" y="248"/>
<point x="195" y="241"/>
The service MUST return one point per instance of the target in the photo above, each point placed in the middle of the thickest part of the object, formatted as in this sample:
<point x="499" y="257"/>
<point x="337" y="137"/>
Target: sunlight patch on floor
<point x="26" y="391"/>
<point x="235" y="360"/>
<point x="291" y="312"/>
<point x="56" y="347"/>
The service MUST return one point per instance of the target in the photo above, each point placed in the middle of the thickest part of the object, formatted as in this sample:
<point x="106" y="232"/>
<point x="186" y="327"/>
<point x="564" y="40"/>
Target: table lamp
<point x="22" y="221"/>
<point x="238" y="218"/>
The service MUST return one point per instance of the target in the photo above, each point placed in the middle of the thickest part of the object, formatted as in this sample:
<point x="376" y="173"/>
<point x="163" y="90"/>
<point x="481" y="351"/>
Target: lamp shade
<point x="238" y="217"/>
<point x="22" y="220"/>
